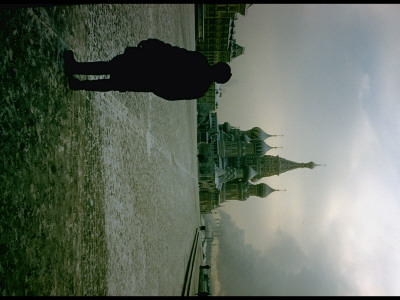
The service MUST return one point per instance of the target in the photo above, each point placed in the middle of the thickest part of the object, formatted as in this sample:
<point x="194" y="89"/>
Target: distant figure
<point x="205" y="267"/>
<point x="202" y="227"/>
<point x="170" y="72"/>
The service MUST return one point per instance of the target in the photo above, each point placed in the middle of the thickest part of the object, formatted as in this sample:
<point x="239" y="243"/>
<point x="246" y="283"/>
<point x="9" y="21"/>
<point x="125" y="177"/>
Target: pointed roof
<point x="249" y="173"/>
<point x="285" y="165"/>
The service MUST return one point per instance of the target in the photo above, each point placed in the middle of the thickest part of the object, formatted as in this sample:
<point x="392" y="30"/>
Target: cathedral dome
<point x="257" y="133"/>
<point x="260" y="147"/>
<point x="263" y="190"/>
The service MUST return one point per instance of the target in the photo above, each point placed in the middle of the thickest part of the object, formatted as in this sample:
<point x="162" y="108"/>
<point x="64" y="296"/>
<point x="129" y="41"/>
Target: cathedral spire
<point x="285" y="165"/>
<point x="269" y="165"/>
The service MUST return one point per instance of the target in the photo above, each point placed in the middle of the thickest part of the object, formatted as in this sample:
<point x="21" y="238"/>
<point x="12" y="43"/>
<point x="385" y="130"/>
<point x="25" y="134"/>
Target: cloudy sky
<point x="327" y="77"/>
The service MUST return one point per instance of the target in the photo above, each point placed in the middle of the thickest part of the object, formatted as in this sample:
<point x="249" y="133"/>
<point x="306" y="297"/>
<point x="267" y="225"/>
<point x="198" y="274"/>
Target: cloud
<point x="326" y="77"/>
<point x="360" y="217"/>
<point x="282" y="270"/>
<point x="365" y="86"/>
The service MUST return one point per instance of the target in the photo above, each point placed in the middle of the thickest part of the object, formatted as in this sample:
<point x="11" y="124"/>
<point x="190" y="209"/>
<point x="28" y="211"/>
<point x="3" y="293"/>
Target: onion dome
<point x="260" y="147"/>
<point x="257" y="133"/>
<point x="263" y="190"/>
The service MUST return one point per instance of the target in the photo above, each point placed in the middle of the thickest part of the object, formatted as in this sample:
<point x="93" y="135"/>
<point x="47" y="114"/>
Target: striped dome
<point x="257" y="133"/>
<point x="260" y="147"/>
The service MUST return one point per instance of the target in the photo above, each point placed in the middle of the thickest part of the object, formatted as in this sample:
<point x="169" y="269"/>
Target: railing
<point x="190" y="266"/>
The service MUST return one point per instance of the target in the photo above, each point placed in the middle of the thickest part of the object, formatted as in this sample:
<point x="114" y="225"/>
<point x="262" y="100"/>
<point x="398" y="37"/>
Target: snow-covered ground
<point x="128" y="208"/>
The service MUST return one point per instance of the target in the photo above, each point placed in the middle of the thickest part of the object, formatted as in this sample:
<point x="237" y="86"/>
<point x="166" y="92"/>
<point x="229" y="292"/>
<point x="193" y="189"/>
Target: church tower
<point x="269" y="165"/>
<point x="241" y="190"/>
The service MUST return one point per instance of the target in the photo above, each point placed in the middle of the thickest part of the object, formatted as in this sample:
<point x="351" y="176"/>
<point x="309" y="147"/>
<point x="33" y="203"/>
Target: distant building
<point x="215" y="38"/>
<point x="216" y="31"/>
<point x="229" y="158"/>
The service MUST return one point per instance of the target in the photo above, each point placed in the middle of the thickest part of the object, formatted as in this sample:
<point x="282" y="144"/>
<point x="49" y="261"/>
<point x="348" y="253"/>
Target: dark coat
<point x="170" y="72"/>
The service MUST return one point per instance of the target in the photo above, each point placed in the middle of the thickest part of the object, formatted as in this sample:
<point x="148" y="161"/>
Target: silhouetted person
<point x="203" y="227"/>
<point x="170" y="72"/>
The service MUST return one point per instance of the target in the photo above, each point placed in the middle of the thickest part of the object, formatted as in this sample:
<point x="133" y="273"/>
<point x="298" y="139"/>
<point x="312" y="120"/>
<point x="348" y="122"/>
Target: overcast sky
<point x="327" y="77"/>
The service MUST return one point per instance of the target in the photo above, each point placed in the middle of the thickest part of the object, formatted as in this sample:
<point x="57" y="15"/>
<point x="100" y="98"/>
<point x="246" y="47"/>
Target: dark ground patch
<point x="52" y="239"/>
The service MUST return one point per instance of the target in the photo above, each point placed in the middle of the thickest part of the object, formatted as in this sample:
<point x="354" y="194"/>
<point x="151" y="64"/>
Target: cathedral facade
<point x="231" y="161"/>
